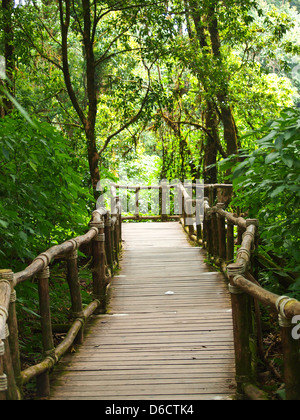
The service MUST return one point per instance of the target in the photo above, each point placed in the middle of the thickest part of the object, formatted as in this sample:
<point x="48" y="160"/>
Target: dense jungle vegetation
<point x="144" y="91"/>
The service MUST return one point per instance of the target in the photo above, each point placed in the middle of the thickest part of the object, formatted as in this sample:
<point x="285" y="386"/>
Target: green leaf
<point x="33" y="166"/>
<point x="5" y="153"/>
<point x="277" y="191"/>
<point x="271" y="157"/>
<point x="3" y="224"/>
<point x="288" y="160"/>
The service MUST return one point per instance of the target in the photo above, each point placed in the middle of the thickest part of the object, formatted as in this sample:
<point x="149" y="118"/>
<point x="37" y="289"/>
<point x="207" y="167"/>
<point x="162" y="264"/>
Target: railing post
<point x="188" y="215"/>
<point x="3" y="377"/>
<point x="291" y="351"/>
<point x="214" y="228"/>
<point x="99" y="268"/>
<point x="209" y="232"/>
<point x="198" y="220"/>
<point x="75" y="292"/>
<point x="43" y="383"/>
<point x="240" y="230"/>
<point x="221" y="233"/>
<point x="230" y="242"/>
<point x="13" y="337"/>
<point x="137" y="204"/>
<point x="163" y="200"/>
<point x="241" y="318"/>
<point x="108" y="243"/>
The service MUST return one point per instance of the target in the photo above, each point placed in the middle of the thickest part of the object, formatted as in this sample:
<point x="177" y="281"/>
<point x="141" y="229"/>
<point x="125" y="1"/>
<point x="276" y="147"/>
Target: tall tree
<point x="102" y="31"/>
<point x="9" y="59"/>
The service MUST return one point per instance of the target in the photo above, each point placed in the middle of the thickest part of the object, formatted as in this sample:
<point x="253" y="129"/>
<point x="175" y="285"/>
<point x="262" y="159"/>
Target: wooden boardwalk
<point x="168" y="334"/>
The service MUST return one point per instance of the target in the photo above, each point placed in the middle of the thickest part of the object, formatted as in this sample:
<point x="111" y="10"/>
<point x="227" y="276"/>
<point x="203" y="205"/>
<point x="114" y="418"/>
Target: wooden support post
<point x="117" y="241"/>
<point x="188" y="216"/>
<point x="3" y="377"/>
<point x="7" y="378"/>
<point x="291" y="352"/>
<point x="163" y="201"/>
<point x="221" y="233"/>
<point x="209" y="232"/>
<point x="211" y="195"/>
<point x="205" y="225"/>
<point x="13" y="337"/>
<point x="119" y="215"/>
<point x="108" y="244"/>
<point x="230" y="242"/>
<point x="99" y="268"/>
<point x="43" y="384"/>
<point x="75" y="292"/>
<point x="12" y="392"/>
<point x="137" y="204"/>
<point x="241" y="317"/>
<point x="113" y="246"/>
<point x="198" y="221"/>
<point x="214" y="228"/>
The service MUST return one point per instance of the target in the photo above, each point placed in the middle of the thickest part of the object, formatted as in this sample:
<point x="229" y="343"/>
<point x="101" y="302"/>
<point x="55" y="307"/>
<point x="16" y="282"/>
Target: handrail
<point x="210" y="226"/>
<point x="183" y="200"/>
<point x="105" y="235"/>
<point x="246" y="293"/>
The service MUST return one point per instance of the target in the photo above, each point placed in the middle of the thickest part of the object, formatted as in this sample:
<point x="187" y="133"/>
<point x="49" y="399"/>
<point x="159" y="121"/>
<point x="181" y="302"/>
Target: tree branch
<point x="66" y="71"/>
<point x="133" y="119"/>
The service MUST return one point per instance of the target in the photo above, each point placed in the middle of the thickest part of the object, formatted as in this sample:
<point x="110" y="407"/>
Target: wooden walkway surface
<point x="168" y="334"/>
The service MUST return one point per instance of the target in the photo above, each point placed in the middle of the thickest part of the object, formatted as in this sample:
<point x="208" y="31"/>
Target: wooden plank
<point x="152" y="345"/>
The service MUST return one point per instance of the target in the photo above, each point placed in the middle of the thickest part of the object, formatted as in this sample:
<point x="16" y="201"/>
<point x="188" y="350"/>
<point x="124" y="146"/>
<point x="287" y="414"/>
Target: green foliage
<point x="41" y="193"/>
<point x="267" y="184"/>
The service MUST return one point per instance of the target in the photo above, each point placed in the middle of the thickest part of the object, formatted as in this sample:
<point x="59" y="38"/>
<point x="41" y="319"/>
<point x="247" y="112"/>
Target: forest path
<point x="168" y="334"/>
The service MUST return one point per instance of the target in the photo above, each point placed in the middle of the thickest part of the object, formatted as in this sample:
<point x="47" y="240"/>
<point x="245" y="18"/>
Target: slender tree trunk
<point x="209" y="21"/>
<point x="211" y="149"/>
<point x="88" y="119"/>
<point x="90" y="127"/>
<point x="9" y="50"/>
<point x="230" y="132"/>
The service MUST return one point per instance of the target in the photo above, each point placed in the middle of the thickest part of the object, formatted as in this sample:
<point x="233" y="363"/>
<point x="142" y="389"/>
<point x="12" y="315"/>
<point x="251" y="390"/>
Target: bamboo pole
<point x="230" y="242"/>
<point x="215" y="236"/>
<point x="62" y="348"/>
<point x="5" y="290"/>
<point x="43" y="260"/>
<point x="43" y="383"/>
<point x="99" y="268"/>
<point x="3" y="377"/>
<point x="241" y="318"/>
<point x="12" y="392"/>
<point x="13" y="338"/>
<point x="137" y="203"/>
<point x="221" y="232"/>
<point x="108" y="244"/>
<point x="75" y="292"/>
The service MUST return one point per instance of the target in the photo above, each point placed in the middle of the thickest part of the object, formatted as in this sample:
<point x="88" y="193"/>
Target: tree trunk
<point x="90" y="126"/>
<point x="7" y="6"/>
<point x="211" y="148"/>
<point x="88" y="121"/>
<point x="230" y="133"/>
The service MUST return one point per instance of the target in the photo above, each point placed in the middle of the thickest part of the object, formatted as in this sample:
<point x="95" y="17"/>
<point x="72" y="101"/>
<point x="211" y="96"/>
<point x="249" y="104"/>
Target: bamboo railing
<point x="221" y="231"/>
<point x="104" y="235"/>
<point x="174" y="199"/>
<point x="217" y="230"/>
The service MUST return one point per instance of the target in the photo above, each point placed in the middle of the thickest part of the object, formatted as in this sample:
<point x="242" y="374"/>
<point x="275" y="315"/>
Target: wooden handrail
<point x="185" y="202"/>
<point x="105" y="235"/>
<point x="246" y="293"/>
<point x="214" y="230"/>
